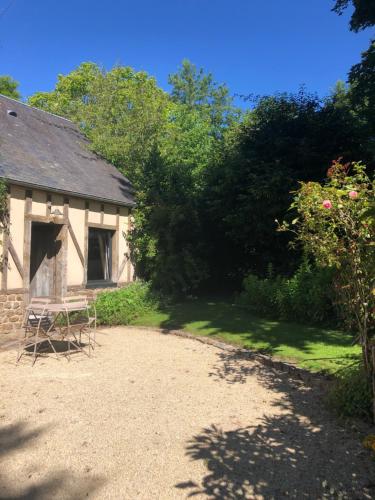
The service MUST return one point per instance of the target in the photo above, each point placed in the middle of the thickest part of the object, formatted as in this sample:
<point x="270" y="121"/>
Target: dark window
<point x="99" y="266"/>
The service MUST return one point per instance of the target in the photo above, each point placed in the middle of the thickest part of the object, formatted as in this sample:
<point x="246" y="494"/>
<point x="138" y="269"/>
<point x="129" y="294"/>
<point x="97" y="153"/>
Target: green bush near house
<point x="121" y="306"/>
<point x="306" y="297"/>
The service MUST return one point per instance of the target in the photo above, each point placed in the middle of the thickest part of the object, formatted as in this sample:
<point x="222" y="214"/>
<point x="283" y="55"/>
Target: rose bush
<point x="335" y="224"/>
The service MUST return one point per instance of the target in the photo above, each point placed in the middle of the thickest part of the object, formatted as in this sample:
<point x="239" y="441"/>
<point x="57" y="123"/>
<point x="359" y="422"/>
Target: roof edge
<point x="70" y="193"/>
<point x="38" y="109"/>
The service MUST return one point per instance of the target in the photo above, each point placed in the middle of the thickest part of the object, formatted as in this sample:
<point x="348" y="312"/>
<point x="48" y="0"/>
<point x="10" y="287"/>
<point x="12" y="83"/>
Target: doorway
<point x="45" y="247"/>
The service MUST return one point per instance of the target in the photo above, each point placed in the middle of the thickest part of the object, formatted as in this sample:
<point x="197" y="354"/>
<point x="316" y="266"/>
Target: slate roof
<point x="42" y="150"/>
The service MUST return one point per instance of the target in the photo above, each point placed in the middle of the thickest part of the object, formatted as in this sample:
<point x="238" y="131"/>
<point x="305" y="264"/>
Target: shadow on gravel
<point x="57" y="484"/>
<point x="234" y="367"/>
<point x="298" y="451"/>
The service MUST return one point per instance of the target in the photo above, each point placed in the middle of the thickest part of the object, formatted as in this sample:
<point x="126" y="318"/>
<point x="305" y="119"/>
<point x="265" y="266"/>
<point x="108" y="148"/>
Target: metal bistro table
<point x="46" y="321"/>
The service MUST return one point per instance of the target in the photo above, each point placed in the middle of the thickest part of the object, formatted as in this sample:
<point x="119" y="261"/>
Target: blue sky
<point x="255" y="46"/>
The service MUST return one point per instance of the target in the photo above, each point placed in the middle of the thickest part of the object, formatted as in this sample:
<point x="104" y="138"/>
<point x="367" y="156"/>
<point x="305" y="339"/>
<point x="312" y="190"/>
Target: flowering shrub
<point x="327" y="204"/>
<point x="335" y="224"/>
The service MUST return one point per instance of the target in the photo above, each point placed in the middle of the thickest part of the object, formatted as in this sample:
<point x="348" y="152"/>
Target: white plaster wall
<point x="75" y="270"/>
<point x="94" y="213"/>
<point x="38" y="206"/>
<point x="16" y="212"/>
<point x="110" y="215"/>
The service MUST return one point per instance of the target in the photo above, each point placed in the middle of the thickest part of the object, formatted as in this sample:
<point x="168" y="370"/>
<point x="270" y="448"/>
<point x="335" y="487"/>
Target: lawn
<point x="309" y="347"/>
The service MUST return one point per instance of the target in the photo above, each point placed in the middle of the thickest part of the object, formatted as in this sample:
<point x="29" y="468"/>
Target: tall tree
<point x="284" y="140"/>
<point x="362" y="75"/>
<point x="363" y="15"/>
<point x="195" y="89"/>
<point x="168" y="235"/>
<point x="9" y="87"/>
<point x="162" y="145"/>
<point x="362" y="91"/>
<point x="121" y="111"/>
<point x="71" y="93"/>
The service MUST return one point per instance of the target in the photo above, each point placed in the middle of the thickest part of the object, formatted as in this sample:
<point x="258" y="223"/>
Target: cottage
<point x="69" y="212"/>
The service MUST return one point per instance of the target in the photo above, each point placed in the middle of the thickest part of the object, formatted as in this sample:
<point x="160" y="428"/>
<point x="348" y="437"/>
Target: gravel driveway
<point x="155" y="416"/>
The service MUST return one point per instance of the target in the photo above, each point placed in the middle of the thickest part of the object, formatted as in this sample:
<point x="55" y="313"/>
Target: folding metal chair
<point x="80" y="302"/>
<point x="36" y="327"/>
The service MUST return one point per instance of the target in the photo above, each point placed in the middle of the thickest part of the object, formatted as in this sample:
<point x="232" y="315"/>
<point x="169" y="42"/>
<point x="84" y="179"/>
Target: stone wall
<point x="12" y="305"/>
<point x="11" y="311"/>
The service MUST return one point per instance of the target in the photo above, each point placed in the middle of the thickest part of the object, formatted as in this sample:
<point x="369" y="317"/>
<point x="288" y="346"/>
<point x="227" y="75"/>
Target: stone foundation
<point x="12" y="305"/>
<point x="11" y="311"/>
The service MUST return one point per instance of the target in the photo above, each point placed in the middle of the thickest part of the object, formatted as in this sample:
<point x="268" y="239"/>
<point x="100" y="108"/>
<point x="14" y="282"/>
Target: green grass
<point x="309" y="347"/>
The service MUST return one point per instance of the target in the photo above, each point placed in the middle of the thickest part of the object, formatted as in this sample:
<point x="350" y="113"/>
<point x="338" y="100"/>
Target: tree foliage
<point x="9" y="87"/>
<point x="362" y="75"/>
<point x="199" y="92"/>
<point x="166" y="238"/>
<point x="163" y="143"/>
<point x="363" y="15"/>
<point x="71" y="93"/>
<point x="362" y="90"/>
<point x="121" y="111"/>
<point x="210" y="181"/>
<point x="169" y="235"/>
<point x="282" y="141"/>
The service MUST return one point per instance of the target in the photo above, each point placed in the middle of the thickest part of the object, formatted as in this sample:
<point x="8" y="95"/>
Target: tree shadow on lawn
<point x="237" y="325"/>
<point x="56" y="484"/>
<point x="296" y="451"/>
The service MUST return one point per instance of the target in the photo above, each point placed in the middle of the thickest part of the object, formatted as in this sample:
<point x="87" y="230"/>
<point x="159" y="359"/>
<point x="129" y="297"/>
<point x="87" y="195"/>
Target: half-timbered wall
<point x="76" y="216"/>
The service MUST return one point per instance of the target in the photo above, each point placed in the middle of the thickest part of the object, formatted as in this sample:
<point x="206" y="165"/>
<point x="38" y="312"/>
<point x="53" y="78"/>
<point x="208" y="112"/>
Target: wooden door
<point x="43" y="262"/>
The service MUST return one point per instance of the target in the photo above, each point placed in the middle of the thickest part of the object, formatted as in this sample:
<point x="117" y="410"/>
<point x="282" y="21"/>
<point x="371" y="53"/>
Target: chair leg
<point x="21" y="339"/>
<point x="68" y="349"/>
<point x="34" y="354"/>
<point x="19" y="351"/>
<point x="53" y="348"/>
<point x="88" y="335"/>
<point x="94" y="341"/>
<point x="77" y="345"/>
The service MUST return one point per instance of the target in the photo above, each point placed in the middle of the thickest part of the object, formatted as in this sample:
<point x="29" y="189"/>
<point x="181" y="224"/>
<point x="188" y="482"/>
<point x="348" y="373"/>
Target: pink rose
<point x="353" y="195"/>
<point x="327" y="204"/>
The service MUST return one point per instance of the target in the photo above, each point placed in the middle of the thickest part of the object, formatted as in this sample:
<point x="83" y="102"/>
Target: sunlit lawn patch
<point x="310" y="347"/>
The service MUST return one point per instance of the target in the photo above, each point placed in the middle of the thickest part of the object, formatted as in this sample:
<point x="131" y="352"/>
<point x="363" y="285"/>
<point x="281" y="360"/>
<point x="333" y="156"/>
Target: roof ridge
<point x="38" y="109"/>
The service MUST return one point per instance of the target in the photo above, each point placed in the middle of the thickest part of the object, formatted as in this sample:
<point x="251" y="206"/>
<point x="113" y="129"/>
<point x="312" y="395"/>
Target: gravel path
<point x="154" y="416"/>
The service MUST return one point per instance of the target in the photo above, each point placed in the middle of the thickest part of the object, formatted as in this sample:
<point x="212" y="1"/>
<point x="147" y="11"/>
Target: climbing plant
<point x="4" y="212"/>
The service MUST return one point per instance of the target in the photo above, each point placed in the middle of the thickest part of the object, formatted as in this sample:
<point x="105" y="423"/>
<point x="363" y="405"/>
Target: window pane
<point x="99" y="264"/>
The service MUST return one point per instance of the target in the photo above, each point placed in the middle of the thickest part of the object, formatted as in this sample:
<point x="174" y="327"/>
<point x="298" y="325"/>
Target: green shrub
<point x="307" y="296"/>
<point x="260" y="295"/>
<point x="351" y="394"/>
<point x="119" y="307"/>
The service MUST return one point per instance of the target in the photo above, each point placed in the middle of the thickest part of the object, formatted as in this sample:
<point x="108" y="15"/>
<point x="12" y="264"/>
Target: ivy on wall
<point x="4" y="212"/>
